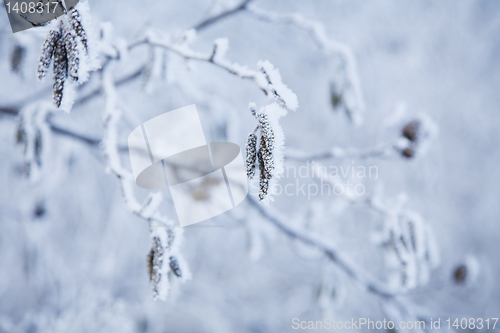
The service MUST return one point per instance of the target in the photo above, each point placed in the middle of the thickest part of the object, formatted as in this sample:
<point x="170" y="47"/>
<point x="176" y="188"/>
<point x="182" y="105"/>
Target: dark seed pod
<point x="174" y="266"/>
<point x="411" y="130"/>
<point x="47" y="52"/>
<point x="251" y="155"/>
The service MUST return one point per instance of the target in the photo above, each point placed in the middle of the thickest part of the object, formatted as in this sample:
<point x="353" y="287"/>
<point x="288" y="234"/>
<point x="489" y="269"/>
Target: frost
<point x="221" y="45"/>
<point x="349" y="86"/>
<point x="272" y="79"/>
<point x="270" y="152"/>
<point x="35" y="135"/>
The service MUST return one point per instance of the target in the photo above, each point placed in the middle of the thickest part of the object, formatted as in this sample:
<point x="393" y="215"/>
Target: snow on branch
<point x="348" y="89"/>
<point x="164" y="259"/>
<point x="34" y="133"/>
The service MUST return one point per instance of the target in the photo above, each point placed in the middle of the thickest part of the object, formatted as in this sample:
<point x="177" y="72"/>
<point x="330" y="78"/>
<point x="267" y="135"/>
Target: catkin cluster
<point x="162" y="262"/>
<point x="412" y="245"/>
<point x="411" y="131"/>
<point x="263" y="155"/>
<point x="61" y="44"/>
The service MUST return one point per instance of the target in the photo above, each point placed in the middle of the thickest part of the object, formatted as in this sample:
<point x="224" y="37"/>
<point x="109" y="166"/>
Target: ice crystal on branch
<point x="75" y="20"/>
<point x="34" y="134"/>
<point x="272" y="79"/>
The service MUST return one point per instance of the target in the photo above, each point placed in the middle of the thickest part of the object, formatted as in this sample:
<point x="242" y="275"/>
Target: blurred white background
<point x="72" y="257"/>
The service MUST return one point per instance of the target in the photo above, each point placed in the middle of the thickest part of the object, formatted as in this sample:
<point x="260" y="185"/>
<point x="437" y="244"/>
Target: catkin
<point x="73" y="56"/>
<point x="60" y="71"/>
<point x="251" y="155"/>
<point x="265" y="155"/>
<point x="47" y="52"/>
<point x="76" y="23"/>
<point x="174" y="266"/>
<point x="155" y="264"/>
<point x="17" y="58"/>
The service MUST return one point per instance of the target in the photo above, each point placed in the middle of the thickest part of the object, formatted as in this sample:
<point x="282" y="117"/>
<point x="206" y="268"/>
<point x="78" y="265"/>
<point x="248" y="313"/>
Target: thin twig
<point x="211" y="20"/>
<point x="364" y="280"/>
<point x="339" y="153"/>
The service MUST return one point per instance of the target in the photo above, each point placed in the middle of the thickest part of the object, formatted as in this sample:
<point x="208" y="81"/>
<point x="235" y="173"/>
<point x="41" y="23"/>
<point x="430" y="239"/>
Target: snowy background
<point x="72" y="255"/>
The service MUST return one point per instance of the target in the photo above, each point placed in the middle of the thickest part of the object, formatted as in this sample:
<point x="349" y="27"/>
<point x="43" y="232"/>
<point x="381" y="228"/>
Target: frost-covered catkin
<point x="68" y="45"/>
<point x="164" y="261"/>
<point x="47" y="52"/>
<point x="76" y="23"/>
<point x="251" y="155"/>
<point x="156" y="268"/>
<point x="17" y="58"/>
<point x="72" y="54"/>
<point x="60" y="71"/>
<point x="266" y="162"/>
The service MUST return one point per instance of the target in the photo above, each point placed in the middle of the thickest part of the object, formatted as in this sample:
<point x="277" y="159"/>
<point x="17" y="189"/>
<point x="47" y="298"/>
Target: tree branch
<point x="211" y="20"/>
<point x="316" y="31"/>
<point x="364" y="280"/>
<point x="339" y="153"/>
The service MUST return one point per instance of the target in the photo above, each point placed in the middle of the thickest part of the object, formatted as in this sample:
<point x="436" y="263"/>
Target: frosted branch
<point x="110" y="150"/>
<point x="361" y="278"/>
<point x="351" y="88"/>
